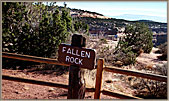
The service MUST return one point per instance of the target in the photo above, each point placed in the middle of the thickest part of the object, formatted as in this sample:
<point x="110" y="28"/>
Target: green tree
<point x="29" y="28"/>
<point x="33" y="29"/>
<point x="81" y="26"/>
<point x="137" y="39"/>
<point x="12" y="19"/>
<point x="139" y="36"/>
<point x="68" y="19"/>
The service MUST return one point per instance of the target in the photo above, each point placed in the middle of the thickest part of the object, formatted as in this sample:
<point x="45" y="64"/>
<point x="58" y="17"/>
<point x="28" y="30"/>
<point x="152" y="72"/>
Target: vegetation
<point x="20" y="36"/>
<point x="81" y="27"/>
<point x="125" y="55"/>
<point x="139" y="36"/>
<point x="163" y="50"/>
<point x="151" y="89"/>
<point x="137" y="39"/>
<point x="103" y="40"/>
<point x="34" y="28"/>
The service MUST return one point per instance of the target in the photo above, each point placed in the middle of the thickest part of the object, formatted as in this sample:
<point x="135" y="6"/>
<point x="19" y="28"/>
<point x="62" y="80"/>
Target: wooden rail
<point x="107" y="68"/>
<point x="32" y="58"/>
<point x="137" y="74"/>
<point x="39" y="82"/>
<point x="98" y="78"/>
<point x="118" y="95"/>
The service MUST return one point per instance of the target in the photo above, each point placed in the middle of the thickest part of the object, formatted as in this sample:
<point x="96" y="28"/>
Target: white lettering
<point x="88" y="55"/>
<point x="71" y="59"/>
<point x="80" y="61"/>
<point x="69" y="51"/>
<point x="63" y="49"/>
<point x="82" y="53"/>
<point x="77" y="53"/>
<point x="72" y="52"/>
<point x="67" y="58"/>
<point x="76" y="61"/>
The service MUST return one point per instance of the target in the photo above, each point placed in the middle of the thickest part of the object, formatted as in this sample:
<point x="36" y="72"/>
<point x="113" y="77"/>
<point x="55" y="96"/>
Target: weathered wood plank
<point x="39" y="82"/>
<point x="32" y="58"/>
<point x="33" y="81"/>
<point x="76" y="88"/>
<point x="136" y="73"/>
<point x="118" y="95"/>
<point x="98" y="79"/>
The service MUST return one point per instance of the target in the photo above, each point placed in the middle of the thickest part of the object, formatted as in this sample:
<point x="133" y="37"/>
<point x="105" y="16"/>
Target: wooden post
<point x="98" y="78"/>
<point x="76" y="89"/>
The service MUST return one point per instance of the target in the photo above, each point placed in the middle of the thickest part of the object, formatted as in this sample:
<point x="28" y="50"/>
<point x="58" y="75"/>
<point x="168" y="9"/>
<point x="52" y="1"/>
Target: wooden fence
<point x="100" y="68"/>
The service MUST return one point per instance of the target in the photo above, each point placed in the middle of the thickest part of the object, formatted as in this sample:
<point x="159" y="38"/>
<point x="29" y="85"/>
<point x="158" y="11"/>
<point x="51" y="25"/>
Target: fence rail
<point x="136" y="73"/>
<point x="39" y="82"/>
<point x="107" y="68"/>
<point x="33" y="81"/>
<point x="99" y="73"/>
<point x="118" y="95"/>
<point x="32" y="58"/>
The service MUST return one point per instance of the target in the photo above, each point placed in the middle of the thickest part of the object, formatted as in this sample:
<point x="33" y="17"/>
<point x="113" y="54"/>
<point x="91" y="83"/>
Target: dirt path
<point x="150" y="59"/>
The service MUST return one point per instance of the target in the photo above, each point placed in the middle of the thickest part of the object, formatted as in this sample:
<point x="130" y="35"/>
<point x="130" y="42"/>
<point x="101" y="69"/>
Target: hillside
<point x="102" y="26"/>
<point x="141" y="17"/>
<point x="99" y="21"/>
<point x="85" y="13"/>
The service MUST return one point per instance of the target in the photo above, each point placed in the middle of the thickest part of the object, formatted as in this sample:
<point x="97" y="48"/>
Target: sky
<point x="114" y="8"/>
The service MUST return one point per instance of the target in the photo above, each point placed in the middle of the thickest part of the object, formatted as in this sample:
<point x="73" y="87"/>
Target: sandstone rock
<point x="118" y="63"/>
<point x="51" y="89"/>
<point x="26" y="88"/>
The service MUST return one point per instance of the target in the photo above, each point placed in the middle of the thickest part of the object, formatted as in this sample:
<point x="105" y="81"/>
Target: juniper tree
<point x="31" y="29"/>
<point x="137" y="37"/>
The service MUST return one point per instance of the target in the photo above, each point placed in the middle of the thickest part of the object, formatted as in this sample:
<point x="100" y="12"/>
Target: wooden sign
<point x="85" y="58"/>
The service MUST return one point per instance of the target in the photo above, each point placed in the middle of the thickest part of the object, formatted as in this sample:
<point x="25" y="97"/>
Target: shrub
<point x="139" y="36"/>
<point x="21" y="36"/>
<point x="23" y="33"/>
<point x="150" y="89"/>
<point x="163" y="51"/>
<point x="104" y="41"/>
<point x="125" y="55"/>
<point x="137" y="39"/>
